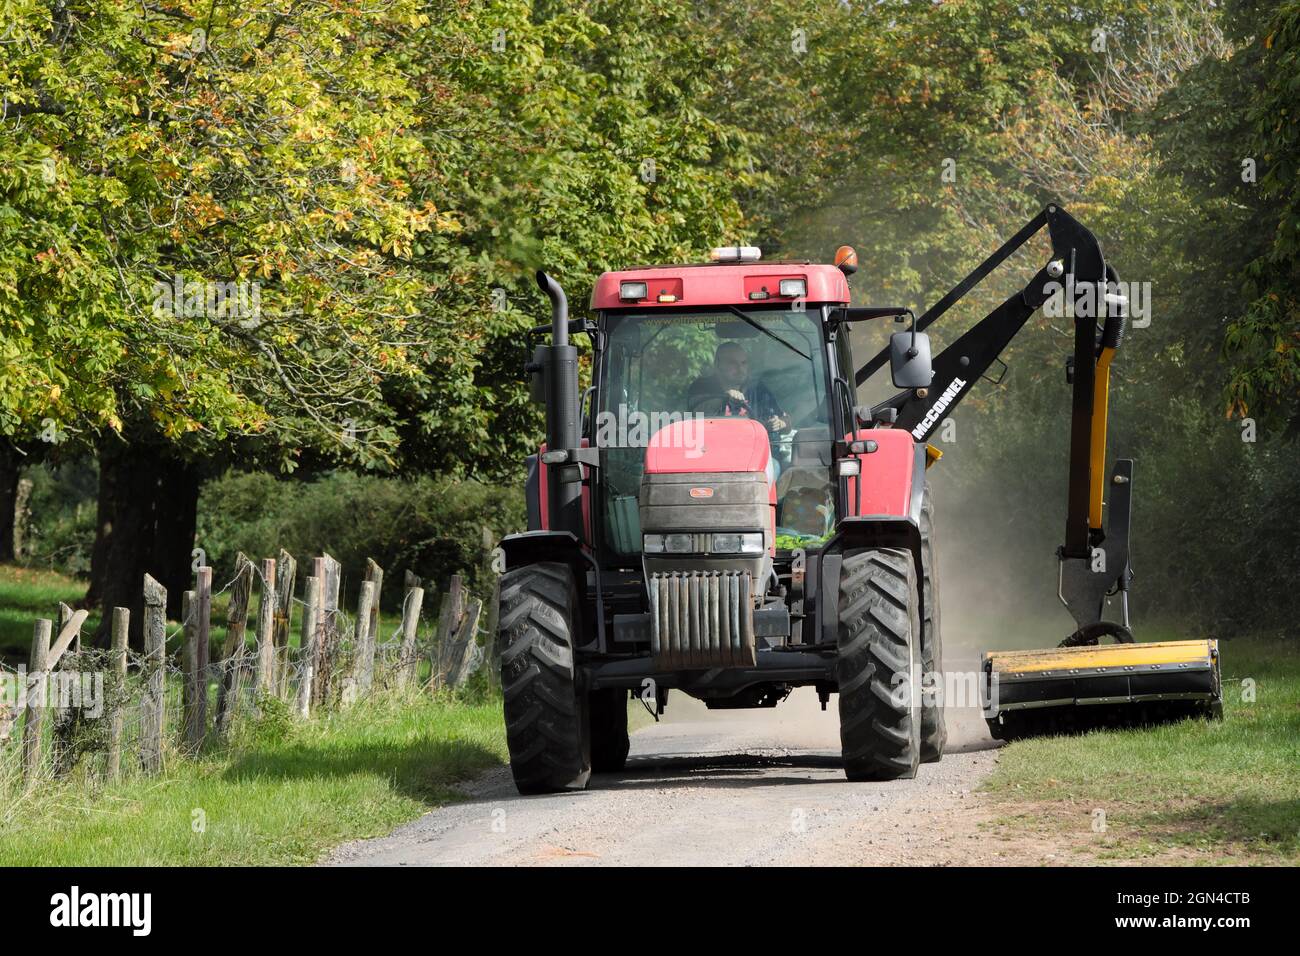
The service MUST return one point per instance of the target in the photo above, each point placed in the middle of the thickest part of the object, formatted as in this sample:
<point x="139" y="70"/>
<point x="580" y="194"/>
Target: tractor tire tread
<point x="878" y="640"/>
<point x="546" y="731"/>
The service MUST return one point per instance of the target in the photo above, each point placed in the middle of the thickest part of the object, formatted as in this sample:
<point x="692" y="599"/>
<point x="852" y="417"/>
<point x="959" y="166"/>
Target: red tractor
<point x="717" y="515"/>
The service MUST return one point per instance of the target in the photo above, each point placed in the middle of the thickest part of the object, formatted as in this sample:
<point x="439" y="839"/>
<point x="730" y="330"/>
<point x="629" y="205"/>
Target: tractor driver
<point x="727" y="391"/>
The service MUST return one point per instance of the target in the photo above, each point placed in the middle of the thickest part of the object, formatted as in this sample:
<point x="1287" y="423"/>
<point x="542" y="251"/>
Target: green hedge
<point x="432" y="527"/>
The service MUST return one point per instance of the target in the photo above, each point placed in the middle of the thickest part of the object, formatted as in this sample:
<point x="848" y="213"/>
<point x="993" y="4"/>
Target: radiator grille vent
<point x="701" y="619"/>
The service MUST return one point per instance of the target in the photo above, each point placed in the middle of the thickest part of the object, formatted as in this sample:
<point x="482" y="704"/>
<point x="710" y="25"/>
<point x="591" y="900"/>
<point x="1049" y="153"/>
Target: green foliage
<point x="272" y="721"/>
<point x="61" y="531"/>
<point x="392" y="174"/>
<point x="250" y="143"/>
<point x="25" y="595"/>
<point x="1143" y="141"/>
<point x="433" y="528"/>
<point x="579" y="138"/>
<point x="1263" y="344"/>
<point x="1228" y="133"/>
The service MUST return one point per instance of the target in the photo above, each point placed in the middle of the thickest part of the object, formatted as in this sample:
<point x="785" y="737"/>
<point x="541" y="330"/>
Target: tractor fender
<point x="533" y="547"/>
<point x="869" y="532"/>
<point x="858" y="533"/>
<point x="891" y="478"/>
<point x="901" y="486"/>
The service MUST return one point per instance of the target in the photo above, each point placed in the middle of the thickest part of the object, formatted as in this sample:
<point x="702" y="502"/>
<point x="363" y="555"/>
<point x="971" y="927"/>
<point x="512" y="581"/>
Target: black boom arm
<point x="1078" y="272"/>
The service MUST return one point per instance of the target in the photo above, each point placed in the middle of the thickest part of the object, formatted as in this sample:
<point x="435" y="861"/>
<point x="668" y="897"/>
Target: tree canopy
<point x="292" y="234"/>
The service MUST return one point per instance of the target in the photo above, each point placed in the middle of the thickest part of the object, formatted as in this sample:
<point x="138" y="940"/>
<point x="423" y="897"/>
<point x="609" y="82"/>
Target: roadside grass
<point x="27" y="594"/>
<point x="1196" y="792"/>
<point x="281" y="793"/>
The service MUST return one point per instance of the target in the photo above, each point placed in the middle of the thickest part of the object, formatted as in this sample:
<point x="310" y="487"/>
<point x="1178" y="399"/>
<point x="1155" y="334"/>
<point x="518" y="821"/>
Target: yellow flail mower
<point x="1070" y="689"/>
<point x="1098" y="676"/>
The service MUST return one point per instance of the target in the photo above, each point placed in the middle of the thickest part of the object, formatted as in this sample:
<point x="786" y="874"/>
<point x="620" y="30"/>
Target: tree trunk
<point x="176" y="508"/>
<point x="148" y="503"/>
<point x="130" y="538"/>
<point x="103" y="531"/>
<point x="10" y="469"/>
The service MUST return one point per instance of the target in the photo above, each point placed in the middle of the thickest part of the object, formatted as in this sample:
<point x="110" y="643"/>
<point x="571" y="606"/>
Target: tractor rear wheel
<point x="878" y="665"/>
<point x="934" y="735"/>
<point x="609" y="740"/>
<point x="546" y="717"/>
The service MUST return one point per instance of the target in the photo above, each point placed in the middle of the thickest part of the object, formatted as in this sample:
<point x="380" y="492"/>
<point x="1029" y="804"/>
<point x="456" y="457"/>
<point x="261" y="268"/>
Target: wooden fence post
<point x="376" y="574"/>
<point x="192" y="732"/>
<point x="309" y="641"/>
<point x="492" y="605"/>
<point x="449" y="615"/>
<point x="330" y="575"/>
<point x="465" y="655"/>
<point x="285" y="571"/>
<point x="65" y="615"/>
<point x="232" y="651"/>
<point x="58" y="692"/>
<point x="121" y="631"/>
<point x="70" y="687"/>
<point x="37" y="688"/>
<point x="152" y="707"/>
<point x="203" y="653"/>
<point x="409" y="660"/>
<point x="363" y="647"/>
<point x="265" y="629"/>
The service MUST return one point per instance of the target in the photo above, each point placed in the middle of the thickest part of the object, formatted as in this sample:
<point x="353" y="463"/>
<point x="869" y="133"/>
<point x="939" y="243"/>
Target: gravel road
<point x="715" y="788"/>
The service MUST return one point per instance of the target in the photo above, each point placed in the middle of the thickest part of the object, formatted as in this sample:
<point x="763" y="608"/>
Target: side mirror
<point x="909" y="359"/>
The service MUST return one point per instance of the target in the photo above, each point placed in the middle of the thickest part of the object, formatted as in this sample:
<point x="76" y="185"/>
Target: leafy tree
<point x="163" y="150"/>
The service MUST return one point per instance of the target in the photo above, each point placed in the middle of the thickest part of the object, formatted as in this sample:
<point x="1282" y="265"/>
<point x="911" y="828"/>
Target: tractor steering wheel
<point x="729" y="399"/>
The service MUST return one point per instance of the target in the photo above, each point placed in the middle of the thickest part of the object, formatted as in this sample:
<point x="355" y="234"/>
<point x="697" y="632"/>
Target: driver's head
<point x="731" y="364"/>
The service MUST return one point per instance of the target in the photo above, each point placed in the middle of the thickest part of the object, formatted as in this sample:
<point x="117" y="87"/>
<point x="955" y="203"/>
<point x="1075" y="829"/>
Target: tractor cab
<point x="766" y="365"/>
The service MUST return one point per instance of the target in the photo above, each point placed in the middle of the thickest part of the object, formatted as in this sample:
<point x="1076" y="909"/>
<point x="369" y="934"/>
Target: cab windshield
<point x="768" y="365"/>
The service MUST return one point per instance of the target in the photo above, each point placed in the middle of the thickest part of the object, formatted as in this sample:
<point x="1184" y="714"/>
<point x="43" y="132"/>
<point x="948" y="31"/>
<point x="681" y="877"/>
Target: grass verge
<point x="1192" y="792"/>
<point x="282" y="793"/>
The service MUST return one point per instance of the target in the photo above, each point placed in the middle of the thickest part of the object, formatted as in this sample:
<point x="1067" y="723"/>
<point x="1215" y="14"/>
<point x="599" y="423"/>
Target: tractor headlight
<point x="793" y="288"/>
<point x="731" y="543"/>
<point x="668" y="543"/>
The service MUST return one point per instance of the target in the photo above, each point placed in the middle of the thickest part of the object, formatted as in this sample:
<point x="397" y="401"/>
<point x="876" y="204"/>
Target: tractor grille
<point x="701" y="619"/>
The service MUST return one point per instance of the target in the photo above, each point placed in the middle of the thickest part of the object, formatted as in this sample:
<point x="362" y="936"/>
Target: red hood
<point x="708" y="445"/>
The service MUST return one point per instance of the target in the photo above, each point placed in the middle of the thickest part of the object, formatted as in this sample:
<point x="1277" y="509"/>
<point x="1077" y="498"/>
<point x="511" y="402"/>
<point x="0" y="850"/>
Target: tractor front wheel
<point x="546" y="717"/>
<point x="878" y="665"/>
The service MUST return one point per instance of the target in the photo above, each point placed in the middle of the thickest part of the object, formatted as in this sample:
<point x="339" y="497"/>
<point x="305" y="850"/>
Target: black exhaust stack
<point x="560" y="369"/>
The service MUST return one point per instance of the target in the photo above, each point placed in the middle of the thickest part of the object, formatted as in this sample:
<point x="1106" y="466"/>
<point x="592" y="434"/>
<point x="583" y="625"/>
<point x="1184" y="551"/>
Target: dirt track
<point x="719" y="788"/>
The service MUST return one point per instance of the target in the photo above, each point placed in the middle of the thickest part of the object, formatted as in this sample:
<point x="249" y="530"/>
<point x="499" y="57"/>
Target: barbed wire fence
<point x="92" y="715"/>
